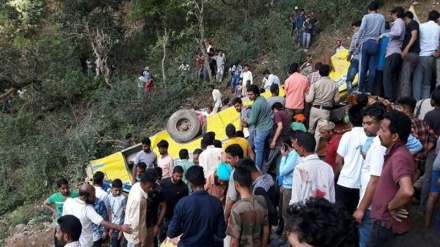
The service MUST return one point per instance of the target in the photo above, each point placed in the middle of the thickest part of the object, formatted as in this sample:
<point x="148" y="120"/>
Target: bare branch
<point x="11" y="86"/>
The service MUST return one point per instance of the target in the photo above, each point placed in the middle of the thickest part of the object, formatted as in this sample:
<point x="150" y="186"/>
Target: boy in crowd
<point x="165" y="162"/>
<point x="249" y="221"/>
<point x="116" y="211"/>
<point x="349" y="161"/>
<point x="55" y="202"/>
<point x="185" y="163"/>
<point x="263" y="185"/>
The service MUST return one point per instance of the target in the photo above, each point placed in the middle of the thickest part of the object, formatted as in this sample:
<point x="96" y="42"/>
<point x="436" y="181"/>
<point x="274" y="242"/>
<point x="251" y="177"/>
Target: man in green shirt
<point x="56" y="201"/>
<point x="261" y="118"/>
<point x="185" y="163"/>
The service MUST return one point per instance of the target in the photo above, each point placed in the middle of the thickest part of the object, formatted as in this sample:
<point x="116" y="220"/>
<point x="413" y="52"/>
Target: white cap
<point x="296" y="7"/>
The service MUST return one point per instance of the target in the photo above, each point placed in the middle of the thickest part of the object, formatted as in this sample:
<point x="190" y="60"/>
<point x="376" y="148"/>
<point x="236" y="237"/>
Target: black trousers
<point x="347" y="197"/>
<point x="98" y="243"/>
<point x="391" y="73"/>
<point x="378" y="85"/>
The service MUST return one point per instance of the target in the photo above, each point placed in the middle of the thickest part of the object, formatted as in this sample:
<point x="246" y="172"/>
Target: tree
<point x="94" y="26"/>
<point x="101" y="44"/>
<point x="199" y="7"/>
<point x="164" y="41"/>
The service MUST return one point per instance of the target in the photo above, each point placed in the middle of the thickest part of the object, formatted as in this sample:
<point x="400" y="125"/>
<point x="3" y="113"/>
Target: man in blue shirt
<point x="100" y="233"/>
<point x="200" y="226"/>
<point x="353" y="56"/>
<point x="373" y="25"/>
<point x="299" y="22"/>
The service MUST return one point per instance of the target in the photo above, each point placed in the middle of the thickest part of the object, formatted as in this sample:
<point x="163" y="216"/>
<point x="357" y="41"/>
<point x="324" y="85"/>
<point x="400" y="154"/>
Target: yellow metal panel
<point x="113" y="166"/>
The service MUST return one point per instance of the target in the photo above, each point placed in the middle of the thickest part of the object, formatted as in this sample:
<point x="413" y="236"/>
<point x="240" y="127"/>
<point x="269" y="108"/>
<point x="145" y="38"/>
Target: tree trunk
<point x="164" y="42"/>
<point x="101" y="46"/>
<point x="199" y="6"/>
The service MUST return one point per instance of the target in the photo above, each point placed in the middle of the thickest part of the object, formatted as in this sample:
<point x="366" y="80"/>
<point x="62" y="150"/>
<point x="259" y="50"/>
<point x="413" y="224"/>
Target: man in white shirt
<point x="247" y="78"/>
<point x="82" y="208"/>
<point x="339" y="46"/>
<point x="208" y="46"/>
<point x="429" y="38"/>
<point x="270" y="79"/>
<point x="68" y="231"/>
<point x="349" y="161"/>
<point x="211" y="156"/>
<point x="217" y="98"/>
<point x="312" y="177"/>
<point x="98" y="179"/>
<point x="371" y="170"/>
<point x="220" y="60"/>
<point x="136" y="209"/>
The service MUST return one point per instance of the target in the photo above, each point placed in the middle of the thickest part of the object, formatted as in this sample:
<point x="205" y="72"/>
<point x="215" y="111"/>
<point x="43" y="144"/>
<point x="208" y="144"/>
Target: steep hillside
<point x="75" y="105"/>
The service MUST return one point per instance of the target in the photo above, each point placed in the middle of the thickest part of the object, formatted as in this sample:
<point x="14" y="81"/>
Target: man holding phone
<point x="288" y="162"/>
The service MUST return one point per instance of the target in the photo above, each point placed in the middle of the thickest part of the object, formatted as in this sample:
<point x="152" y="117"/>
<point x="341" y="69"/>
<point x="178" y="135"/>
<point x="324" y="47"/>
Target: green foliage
<point x="30" y="11"/>
<point x="121" y="108"/>
<point x="73" y="84"/>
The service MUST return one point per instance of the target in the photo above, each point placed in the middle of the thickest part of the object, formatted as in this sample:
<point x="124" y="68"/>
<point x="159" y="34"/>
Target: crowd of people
<point x="401" y="60"/>
<point x="303" y="26"/>
<point x="272" y="188"/>
<point x="239" y="192"/>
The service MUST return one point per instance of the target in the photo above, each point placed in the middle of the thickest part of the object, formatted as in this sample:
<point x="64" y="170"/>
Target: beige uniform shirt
<point x="136" y="214"/>
<point x="323" y="92"/>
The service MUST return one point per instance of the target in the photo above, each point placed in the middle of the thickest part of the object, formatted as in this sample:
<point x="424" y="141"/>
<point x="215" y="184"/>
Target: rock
<point x="20" y="228"/>
<point x="32" y="222"/>
<point x="26" y="233"/>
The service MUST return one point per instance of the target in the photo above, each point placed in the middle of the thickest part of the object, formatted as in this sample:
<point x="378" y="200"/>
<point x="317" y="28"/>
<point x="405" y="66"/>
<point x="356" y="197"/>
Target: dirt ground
<point x="31" y="235"/>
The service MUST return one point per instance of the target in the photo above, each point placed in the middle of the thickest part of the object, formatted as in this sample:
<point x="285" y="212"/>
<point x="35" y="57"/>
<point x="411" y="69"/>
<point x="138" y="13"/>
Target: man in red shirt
<point x="327" y="133"/>
<point x="389" y="208"/>
<point x="280" y="122"/>
<point x="427" y="136"/>
<point x="296" y="88"/>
